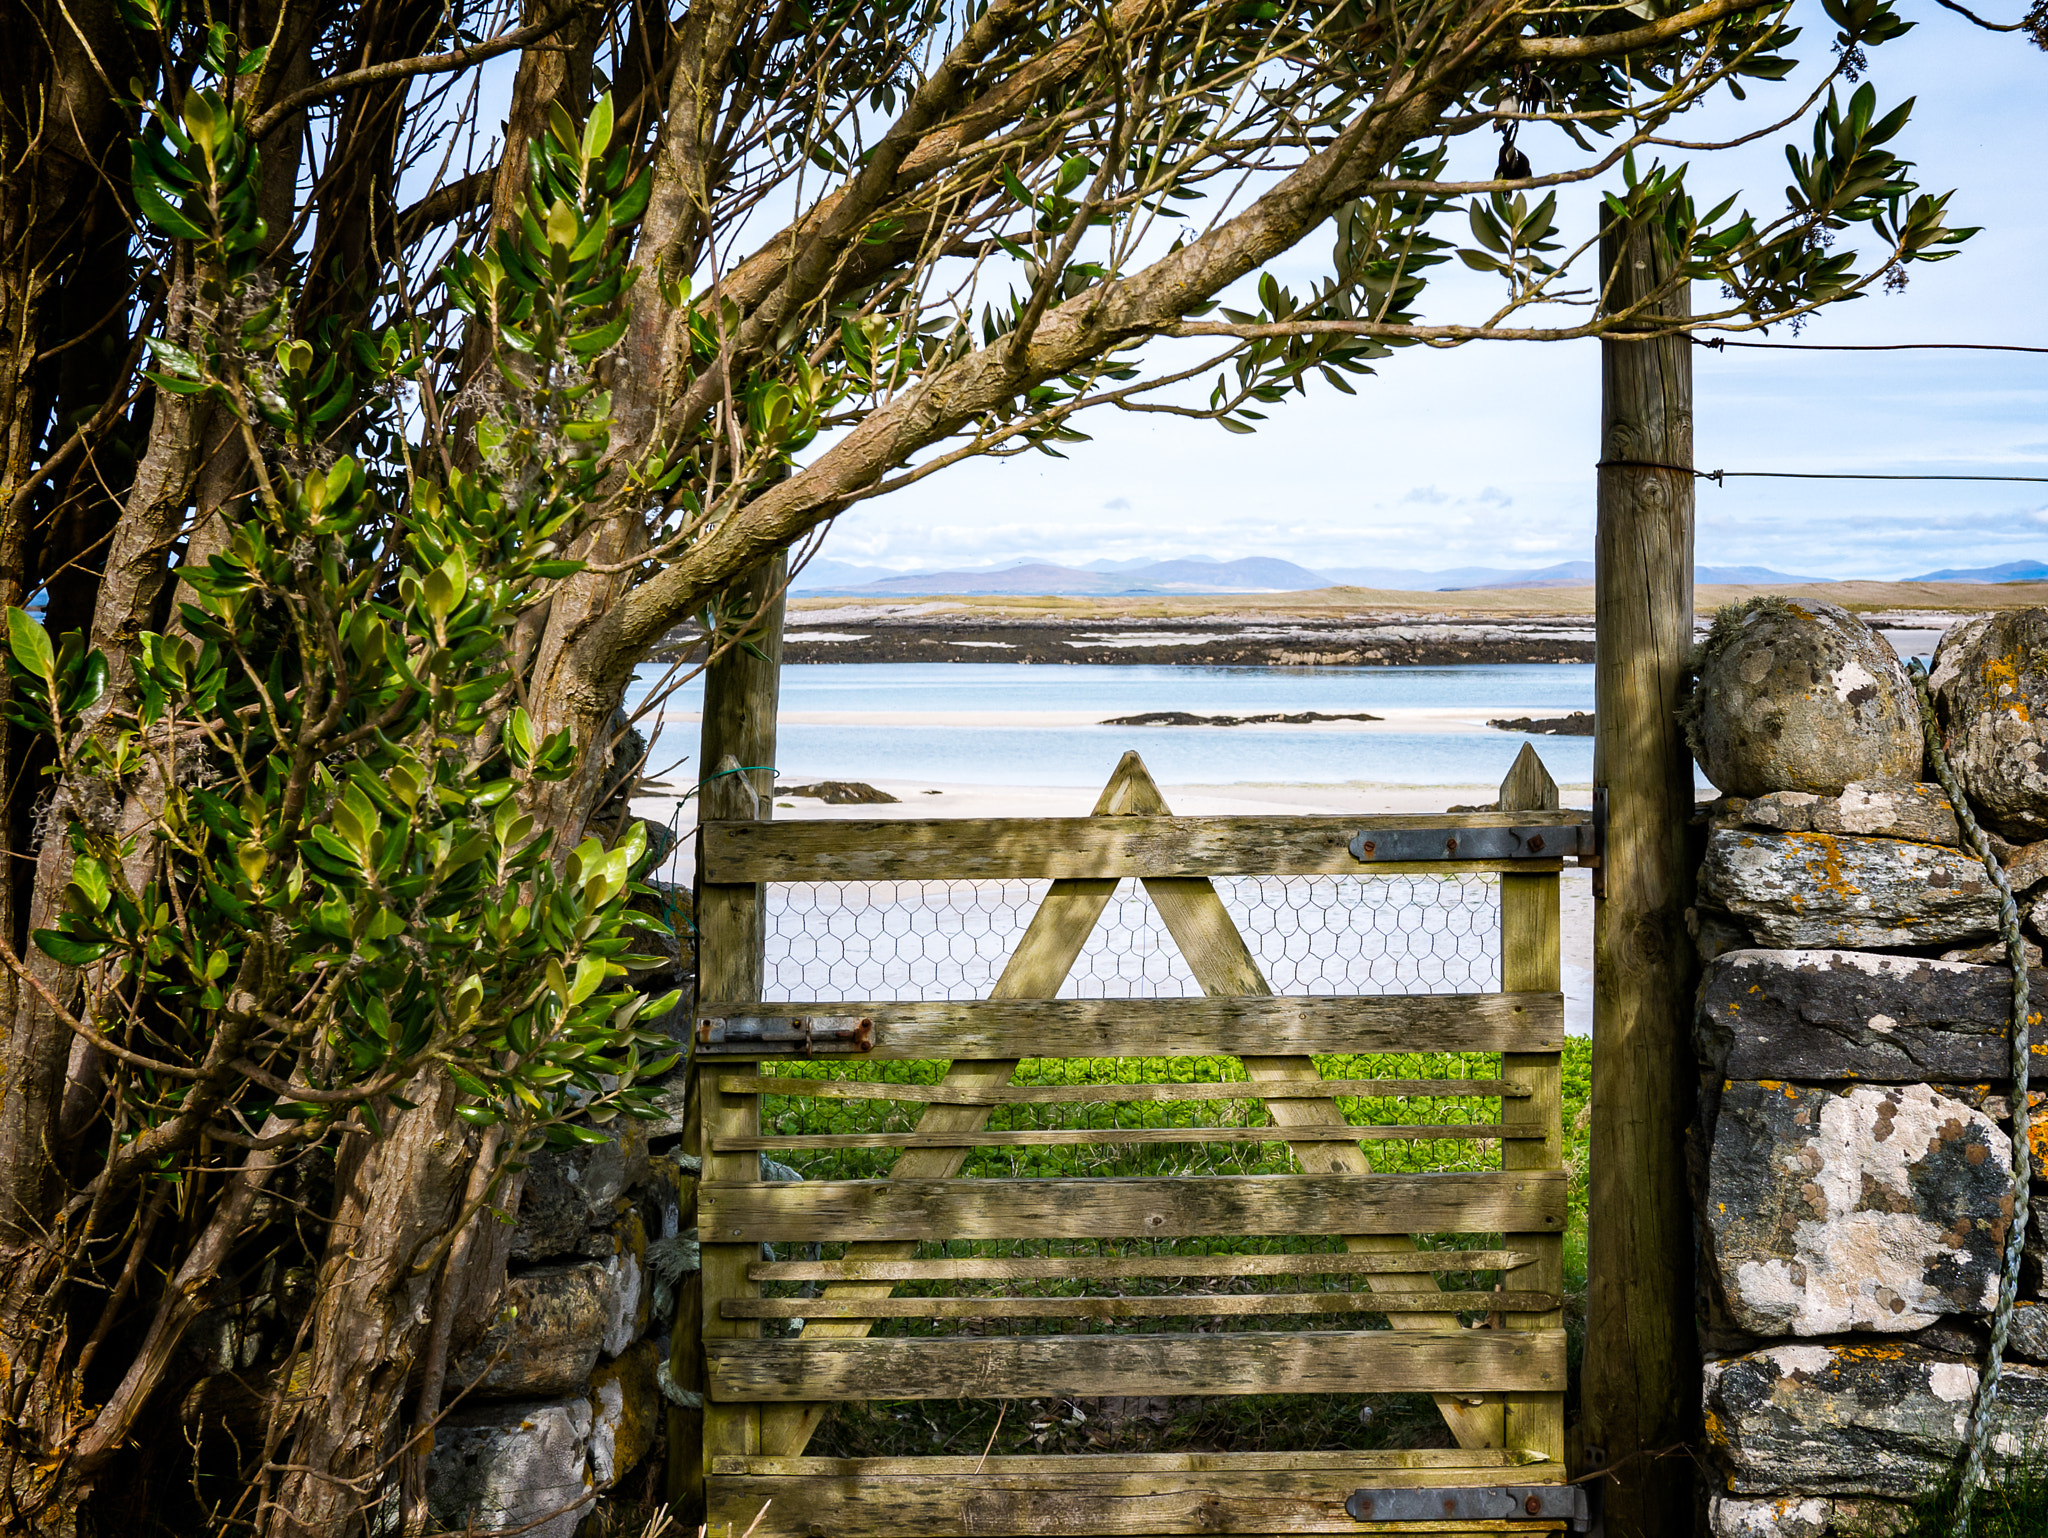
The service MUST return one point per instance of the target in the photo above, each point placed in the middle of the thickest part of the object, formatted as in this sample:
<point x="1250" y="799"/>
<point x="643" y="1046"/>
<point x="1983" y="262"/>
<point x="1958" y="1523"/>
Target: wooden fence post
<point x="1641" y="1383"/>
<point x="735" y="772"/>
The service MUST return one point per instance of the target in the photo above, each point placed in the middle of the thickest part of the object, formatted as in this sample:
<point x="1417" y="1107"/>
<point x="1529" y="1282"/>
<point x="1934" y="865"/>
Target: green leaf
<point x="597" y="131"/>
<point x="157" y="209"/>
<point x="69" y="951"/>
<point x="30" y="644"/>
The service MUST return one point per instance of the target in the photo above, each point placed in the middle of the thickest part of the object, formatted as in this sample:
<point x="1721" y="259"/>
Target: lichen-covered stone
<point x="1829" y="1015"/>
<point x="1875" y="1208"/>
<point x="626" y="1403"/>
<point x="571" y="1196"/>
<point x="1801" y="697"/>
<point x="1885" y="1420"/>
<point x="1990" y="687"/>
<point x="1992" y="953"/>
<point x="1811" y="1516"/>
<point x="1919" y="813"/>
<point x="2028" y="1334"/>
<point x="1812" y="889"/>
<point x="545" y="1339"/>
<point x="522" y="1466"/>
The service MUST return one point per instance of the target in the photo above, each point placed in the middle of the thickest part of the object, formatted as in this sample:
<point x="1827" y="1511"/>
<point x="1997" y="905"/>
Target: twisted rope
<point x="1971" y="1479"/>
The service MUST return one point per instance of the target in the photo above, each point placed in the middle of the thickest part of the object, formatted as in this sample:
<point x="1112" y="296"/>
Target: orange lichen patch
<point x="2001" y="675"/>
<point x="1716" y="1432"/>
<point x="1870" y="1353"/>
<point x="1827" y="871"/>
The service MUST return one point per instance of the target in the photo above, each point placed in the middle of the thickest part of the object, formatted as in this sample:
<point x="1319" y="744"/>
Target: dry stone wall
<point x="561" y="1400"/>
<point x="1854" y="1135"/>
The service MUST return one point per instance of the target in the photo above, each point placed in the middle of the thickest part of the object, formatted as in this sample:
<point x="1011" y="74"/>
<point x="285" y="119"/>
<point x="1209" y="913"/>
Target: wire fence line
<point x="937" y="940"/>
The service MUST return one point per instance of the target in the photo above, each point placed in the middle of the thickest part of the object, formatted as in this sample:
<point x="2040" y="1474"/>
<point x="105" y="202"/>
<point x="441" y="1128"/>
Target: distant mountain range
<point x="1195" y="575"/>
<point x="2011" y="571"/>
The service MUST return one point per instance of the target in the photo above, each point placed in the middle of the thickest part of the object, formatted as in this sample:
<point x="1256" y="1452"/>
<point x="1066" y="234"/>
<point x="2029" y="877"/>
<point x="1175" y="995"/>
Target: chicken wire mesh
<point x="873" y="940"/>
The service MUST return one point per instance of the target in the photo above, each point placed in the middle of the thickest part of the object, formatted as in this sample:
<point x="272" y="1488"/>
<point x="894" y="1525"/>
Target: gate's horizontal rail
<point x="1102" y="1094"/>
<point x="1211" y="1027"/>
<point x="1054" y="1137"/>
<point x="1035" y="1366"/>
<point x="1156" y="1207"/>
<point x="1117" y="1497"/>
<point x="1162" y="1307"/>
<point x="1431" y="1465"/>
<point x="1107" y="1268"/>
<point x="1023" y="848"/>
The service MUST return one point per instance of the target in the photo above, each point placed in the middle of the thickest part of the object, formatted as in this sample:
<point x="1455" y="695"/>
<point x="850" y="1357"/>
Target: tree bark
<point x="1641" y="1382"/>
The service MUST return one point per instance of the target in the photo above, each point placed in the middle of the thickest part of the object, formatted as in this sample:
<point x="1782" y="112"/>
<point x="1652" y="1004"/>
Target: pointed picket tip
<point x="1131" y="791"/>
<point x="1528" y="786"/>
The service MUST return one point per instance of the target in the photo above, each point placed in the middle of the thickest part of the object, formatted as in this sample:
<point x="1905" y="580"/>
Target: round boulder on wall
<point x="1990" y="686"/>
<point x="1800" y="696"/>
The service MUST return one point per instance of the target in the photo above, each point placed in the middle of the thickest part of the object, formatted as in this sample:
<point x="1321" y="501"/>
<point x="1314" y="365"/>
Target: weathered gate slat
<point x="1092" y="1094"/>
<point x="1124" y="1497"/>
<point x="1025" y="848"/>
<point x="1115" y="1207"/>
<point x="1439" y="1464"/>
<point x="1171" y="1305"/>
<point x="1115" y="1267"/>
<point x="1208" y="1027"/>
<point x="1054" y="1137"/>
<point x="852" y="1499"/>
<point x="1035" y="1366"/>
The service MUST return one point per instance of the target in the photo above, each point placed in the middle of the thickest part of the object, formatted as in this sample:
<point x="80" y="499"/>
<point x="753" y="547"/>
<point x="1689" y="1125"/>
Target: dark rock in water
<point x="1990" y="687"/>
<point x="1801" y="697"/>
<point x="1872" y="1208"/>
<point x="839" y="793"/>
<point x="1833" y="1015"/>
<point x="1184" y="718"/>
<point x="1801" y="889"/>
<point x="1578" y="724"/>
<point x="1882" y="1419"/>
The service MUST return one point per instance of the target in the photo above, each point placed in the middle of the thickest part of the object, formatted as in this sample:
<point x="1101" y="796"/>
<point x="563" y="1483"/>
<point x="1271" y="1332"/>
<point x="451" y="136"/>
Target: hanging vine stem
<point x="1972" y="1473"/>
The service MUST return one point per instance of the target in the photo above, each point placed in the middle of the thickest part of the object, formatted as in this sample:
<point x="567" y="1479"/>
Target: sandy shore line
<point x="1463" y="720"/>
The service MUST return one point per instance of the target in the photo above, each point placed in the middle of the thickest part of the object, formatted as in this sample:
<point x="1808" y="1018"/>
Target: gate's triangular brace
<point x="1216" y="953"/>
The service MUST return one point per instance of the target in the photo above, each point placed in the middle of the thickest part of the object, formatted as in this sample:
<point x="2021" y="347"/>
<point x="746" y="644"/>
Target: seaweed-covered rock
<point x="1884" y="1420"/>
<point x="1812" y="889"/>
<point x="1990" y="687"/>
<point x="1875" y="1208"/>
<point x="1801" y="697"/>
<point x="1828" y="1014"/>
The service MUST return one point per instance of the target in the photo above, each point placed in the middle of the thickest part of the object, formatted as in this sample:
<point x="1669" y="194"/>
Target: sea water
<point x="1022" y="754"/>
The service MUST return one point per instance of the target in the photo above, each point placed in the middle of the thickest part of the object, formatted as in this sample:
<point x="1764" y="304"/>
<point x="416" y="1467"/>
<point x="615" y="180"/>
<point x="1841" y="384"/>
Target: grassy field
<point x="1247" y="1423"/>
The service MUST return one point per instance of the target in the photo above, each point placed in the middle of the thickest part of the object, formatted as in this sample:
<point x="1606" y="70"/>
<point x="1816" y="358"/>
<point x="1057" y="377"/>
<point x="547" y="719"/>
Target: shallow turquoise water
<point x="1181" y="755"/>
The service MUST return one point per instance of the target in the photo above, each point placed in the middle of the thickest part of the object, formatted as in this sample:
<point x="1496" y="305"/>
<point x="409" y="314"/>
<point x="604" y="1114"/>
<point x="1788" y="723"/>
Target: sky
<point x="1484" y="455"/>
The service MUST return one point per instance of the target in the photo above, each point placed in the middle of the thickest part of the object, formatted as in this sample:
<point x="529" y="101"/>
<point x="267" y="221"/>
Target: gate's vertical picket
<point x="729" y="922"/>
<point x="1529" y="942"/>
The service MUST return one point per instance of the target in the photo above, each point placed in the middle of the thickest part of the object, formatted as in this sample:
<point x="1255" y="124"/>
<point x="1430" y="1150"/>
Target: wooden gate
<point x="1499" y="1386"/>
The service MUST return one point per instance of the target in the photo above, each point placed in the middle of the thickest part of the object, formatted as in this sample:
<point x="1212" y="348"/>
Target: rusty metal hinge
<point x="1474" y="1503"/>
<point x="779" y="1035"/>
<point x="1573" y="840"/>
